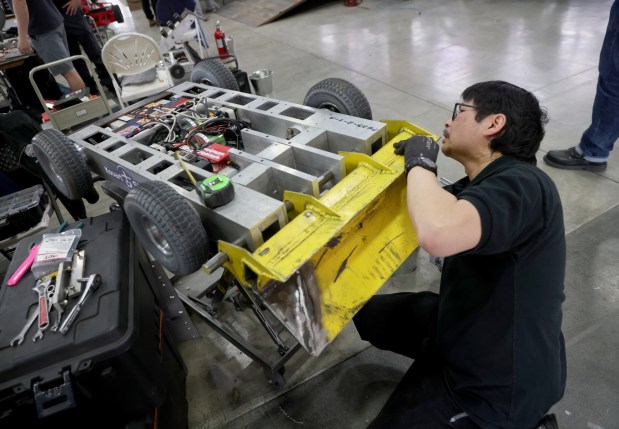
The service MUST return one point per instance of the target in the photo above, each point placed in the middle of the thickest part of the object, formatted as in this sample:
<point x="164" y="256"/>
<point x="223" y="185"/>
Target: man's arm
<point x="22" y="17"/>
<point x="445" y="225"/>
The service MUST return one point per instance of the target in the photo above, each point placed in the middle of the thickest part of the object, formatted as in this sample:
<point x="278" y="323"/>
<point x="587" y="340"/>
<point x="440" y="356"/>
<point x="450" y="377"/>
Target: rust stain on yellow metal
<point x="338" y="250"/>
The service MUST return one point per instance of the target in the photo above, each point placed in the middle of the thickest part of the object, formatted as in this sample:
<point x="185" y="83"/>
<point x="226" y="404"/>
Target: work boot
<point x="570" y="159"/>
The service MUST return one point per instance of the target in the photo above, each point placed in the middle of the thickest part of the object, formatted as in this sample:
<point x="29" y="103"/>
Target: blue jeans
<point x="598" y="140"/>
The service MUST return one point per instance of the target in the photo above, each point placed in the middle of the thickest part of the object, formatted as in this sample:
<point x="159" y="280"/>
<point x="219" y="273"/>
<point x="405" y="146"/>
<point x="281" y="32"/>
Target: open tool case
<point x="116" y="367"/>
<point x="21" y="210"/>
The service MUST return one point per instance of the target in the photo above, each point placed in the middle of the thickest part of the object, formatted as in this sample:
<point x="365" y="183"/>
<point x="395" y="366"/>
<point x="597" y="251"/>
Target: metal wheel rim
<point x="155" y="236"/>
<point x="330" y="106"/>
<point x="60" y="184"/>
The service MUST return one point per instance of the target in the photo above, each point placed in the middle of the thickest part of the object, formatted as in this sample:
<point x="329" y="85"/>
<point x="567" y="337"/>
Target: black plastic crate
<point x="116" y="367"/>
<point x="21" y="210"/>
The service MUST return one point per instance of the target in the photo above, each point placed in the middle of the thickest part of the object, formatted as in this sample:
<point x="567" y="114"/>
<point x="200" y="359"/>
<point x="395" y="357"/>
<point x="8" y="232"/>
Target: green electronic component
<point x="216" y="190"/>
<point x="219" y="139"/>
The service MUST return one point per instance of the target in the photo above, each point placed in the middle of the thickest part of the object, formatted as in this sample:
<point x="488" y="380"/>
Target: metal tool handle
<point x="66" y="325"/>
<point x="93" y="283"/>
<point x="43" y="313"/>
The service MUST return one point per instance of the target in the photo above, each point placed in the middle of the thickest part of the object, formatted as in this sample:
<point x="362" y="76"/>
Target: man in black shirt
<point x="42" y="27"/>
<point x="488" y="349"/>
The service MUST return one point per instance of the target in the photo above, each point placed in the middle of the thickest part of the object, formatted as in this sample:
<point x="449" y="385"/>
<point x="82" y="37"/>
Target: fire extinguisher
<point x="220" y="40"/>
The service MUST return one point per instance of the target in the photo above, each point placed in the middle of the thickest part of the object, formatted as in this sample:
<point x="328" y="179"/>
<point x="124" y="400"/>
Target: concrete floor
<point x="412" y="59"/>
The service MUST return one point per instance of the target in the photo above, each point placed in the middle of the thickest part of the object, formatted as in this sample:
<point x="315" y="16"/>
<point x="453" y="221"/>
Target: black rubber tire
<point x="167" y="226"/>
<point x="118" y="15"/>
<point x="62" y="163"/>
<point x="214" y="73"/>
<point x="338" y="95"/>
<point x="177" y="71"/>
<point x="275" y="378"/>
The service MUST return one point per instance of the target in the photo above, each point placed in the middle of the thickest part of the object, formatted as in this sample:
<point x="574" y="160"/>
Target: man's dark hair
<point x="524" y="129"/>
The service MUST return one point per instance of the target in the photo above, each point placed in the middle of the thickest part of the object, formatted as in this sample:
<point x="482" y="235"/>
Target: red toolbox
<point x="116" y="366"/>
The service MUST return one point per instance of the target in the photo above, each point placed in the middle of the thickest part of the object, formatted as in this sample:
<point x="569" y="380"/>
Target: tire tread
<point x="215" y="72"/>
<point x="351" y="98"/>
<point x="65" y="159"/>
<point x="180" y="225"/>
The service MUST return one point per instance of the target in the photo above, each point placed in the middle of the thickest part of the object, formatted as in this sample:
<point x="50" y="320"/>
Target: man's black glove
<point x="418" y="151"/>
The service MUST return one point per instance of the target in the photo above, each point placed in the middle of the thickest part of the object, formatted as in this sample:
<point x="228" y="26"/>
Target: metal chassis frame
<point x="271" y="365"/>
<point x="348" y="147"/>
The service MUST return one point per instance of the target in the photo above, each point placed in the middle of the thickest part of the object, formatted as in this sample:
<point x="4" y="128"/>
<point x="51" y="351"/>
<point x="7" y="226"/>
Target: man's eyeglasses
<point x="457" y="107"/>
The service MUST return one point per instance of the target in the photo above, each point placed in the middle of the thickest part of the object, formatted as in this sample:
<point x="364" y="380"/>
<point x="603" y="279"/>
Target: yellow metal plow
<point x="337" y="250"/>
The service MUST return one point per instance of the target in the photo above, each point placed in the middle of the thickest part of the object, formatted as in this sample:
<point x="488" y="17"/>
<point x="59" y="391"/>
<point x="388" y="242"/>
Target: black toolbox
<point x="116" y="367"/>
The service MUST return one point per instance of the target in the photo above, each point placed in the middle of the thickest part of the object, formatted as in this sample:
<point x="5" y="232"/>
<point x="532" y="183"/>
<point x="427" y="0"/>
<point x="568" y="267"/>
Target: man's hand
<point x="419" y="151"/>
<point x="72" y="6"/>
<point x="24" y="46"/>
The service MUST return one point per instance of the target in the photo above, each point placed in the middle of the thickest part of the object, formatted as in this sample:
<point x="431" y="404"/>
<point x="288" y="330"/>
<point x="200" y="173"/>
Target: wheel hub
<point x="330" y="106"/>
<point x="156" y="237"/>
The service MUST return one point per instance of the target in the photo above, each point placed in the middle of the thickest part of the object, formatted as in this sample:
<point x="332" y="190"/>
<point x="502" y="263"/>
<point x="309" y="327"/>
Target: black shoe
<point x="569" y="159"/>
<point x="548" y="422"/>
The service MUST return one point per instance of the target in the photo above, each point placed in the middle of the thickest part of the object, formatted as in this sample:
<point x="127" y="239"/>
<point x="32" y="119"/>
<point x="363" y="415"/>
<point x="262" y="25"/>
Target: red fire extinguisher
<point x="220" y="40"/>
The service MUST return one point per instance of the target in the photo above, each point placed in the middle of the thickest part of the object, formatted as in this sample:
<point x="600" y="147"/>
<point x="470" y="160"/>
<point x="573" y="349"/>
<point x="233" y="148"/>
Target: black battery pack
<point x="116" y="366"/>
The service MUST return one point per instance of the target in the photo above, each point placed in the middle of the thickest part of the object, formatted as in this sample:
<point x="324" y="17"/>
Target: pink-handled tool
<point x="24" y="267"/>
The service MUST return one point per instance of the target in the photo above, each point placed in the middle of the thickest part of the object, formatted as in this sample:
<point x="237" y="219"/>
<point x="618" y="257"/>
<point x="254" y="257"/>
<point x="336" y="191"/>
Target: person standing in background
<point x="43" y="29"/>
<point x="80" y="37"/>
<point x="596" y="143"/>
<point x="150" y="10"/>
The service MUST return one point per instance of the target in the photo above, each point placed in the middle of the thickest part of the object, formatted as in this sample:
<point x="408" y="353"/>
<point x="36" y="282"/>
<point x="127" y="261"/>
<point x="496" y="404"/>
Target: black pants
<point x="150" y="8"/>
<point x="406" y="323"/>
<point x="80" y="36"/>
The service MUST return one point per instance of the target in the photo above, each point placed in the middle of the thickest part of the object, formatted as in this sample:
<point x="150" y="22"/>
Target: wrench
<point x="38" y="335"/>
<point x="57" y="299"/>
<point x="20" y="337"/>
<point x="51" y="293"/>
<point x="43" y="288"/>
<point x="92" y="284"/>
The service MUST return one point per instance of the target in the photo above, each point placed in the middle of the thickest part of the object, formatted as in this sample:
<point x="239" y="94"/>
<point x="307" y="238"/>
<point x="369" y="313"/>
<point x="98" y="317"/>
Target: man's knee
<point x="387" y="319"/>
<point x="74" y="79"/>
<point x="364" y="318"/>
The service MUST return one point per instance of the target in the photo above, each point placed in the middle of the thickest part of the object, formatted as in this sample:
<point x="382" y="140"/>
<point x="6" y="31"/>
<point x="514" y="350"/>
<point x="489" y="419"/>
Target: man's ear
<point x="495" y="124"/>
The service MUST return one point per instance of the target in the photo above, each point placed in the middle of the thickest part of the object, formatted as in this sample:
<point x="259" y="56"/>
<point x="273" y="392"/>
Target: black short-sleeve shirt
<point x="500" y="310"/>
<point x="44" y="17"/>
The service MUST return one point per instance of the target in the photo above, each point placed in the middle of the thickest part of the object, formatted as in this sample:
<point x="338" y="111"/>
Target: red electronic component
<point x="214" y="153"/>
<point x="102" y="13"/>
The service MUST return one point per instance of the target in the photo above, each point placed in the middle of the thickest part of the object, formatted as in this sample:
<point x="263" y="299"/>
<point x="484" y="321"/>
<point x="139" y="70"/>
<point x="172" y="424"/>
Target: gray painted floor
<point x="412" y="59"/>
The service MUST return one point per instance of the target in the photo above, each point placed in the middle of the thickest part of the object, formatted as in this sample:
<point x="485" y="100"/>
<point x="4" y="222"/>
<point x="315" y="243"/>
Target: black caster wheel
<point x="275" y="378"/>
